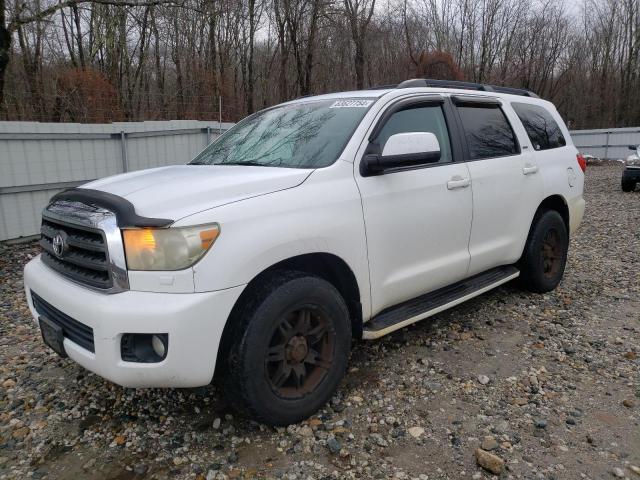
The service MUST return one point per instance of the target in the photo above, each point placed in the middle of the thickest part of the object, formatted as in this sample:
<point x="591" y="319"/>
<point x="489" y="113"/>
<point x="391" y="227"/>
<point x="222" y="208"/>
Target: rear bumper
<point x="576" y="213"/>
<point x="194" y="323"/>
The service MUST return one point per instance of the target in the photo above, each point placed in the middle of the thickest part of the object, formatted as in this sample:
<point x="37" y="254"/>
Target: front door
<point x="418" y="221"/>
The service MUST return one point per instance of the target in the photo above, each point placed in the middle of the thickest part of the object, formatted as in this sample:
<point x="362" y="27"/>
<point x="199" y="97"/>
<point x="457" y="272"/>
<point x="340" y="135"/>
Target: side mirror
<point x="634" y="147"/>
<point x="404" y="150"/>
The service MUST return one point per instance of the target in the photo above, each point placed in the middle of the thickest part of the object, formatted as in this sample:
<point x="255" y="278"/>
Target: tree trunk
<point x="161" y="104"/>
<point x="70" y="49"/>
<point x="359" y="15"/>
<point x="76" y="19"/>
<point x="213" y="25"/>
<point x="5" y="52"/>
<point x="359" y="66"/>
<point x="180" y="107"/>
<point x="252" y="34"/>
<point x="311" y="44"/>
<point x="283" y="52"/>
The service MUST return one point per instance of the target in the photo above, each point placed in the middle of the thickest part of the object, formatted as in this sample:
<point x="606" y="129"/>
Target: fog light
<point x="144" y="347"/>
<point x="158" y="346"/>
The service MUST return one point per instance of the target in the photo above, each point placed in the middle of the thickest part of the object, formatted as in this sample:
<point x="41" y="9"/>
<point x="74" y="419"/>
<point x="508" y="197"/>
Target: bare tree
<point x="106" y="60"/>
<point x="302" y="19"/>
<point x="359" y="13"/>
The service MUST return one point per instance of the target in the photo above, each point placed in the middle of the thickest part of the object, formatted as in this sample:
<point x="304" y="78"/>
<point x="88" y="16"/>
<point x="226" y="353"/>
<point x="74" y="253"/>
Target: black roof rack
<point x="428" y="82"/>
<point x="383" y="87"/>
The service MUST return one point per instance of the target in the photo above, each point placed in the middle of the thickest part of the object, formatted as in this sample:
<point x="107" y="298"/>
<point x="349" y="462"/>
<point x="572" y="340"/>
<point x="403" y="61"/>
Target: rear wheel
<point x="545" y="253"/>
<point x="290" y="348"/>
<point x="628" y="185"/>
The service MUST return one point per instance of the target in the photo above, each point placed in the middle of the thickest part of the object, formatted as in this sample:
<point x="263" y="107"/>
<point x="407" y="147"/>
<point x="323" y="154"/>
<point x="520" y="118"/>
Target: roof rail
<point x="383" y="87"/>
<point x="429" y="82"/>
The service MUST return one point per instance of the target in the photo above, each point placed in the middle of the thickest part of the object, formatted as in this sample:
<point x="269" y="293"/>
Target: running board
<point x="419" y="308"/>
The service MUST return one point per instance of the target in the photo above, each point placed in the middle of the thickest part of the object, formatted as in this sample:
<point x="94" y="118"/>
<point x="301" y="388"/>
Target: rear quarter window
<point x="543" y="131"/>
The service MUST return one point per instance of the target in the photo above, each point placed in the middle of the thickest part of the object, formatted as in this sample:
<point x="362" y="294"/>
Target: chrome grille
<point x="86" y="258"/>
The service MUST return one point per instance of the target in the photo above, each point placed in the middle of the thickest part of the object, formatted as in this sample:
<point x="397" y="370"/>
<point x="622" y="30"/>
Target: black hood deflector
<point x="124" y="210"/>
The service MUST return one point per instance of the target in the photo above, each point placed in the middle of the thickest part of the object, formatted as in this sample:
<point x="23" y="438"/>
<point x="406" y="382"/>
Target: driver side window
<point x="419" y="118"/>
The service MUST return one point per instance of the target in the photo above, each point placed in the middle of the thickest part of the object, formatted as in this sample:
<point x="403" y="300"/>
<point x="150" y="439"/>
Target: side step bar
<point x="419" y="308"/>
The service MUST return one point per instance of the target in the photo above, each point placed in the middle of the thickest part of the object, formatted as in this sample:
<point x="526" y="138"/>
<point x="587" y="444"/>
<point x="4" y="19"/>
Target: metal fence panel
<point x="37" y="160"/>
<point x="21" y="212"/>
<point x="609" y="144"/>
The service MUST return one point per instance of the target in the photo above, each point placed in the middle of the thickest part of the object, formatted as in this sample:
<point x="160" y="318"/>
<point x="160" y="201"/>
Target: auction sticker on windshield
<point x="351" y="104"/>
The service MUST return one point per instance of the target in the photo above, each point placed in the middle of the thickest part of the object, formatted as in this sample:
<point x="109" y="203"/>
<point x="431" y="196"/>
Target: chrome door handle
<point x="458" y="182"/>
<point x="528" y="169"/>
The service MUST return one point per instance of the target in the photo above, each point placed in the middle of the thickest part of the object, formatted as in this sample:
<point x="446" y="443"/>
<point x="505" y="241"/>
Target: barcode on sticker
<point x="351" y="104"/>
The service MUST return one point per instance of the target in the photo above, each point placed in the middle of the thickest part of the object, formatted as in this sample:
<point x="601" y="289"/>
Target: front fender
<point x="323" y="215"/>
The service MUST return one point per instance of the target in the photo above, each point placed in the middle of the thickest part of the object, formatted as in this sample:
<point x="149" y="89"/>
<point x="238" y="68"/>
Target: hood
<point x="177" y="191"/>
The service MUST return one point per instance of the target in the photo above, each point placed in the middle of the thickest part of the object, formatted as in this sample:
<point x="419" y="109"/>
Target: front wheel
<point x="545" y="253"/>
<point x="290" y="349"/>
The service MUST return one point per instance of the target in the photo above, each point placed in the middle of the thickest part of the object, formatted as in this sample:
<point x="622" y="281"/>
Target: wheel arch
<point x="557" y="203"/>
<point x="552" y="202"/>
<point x="327" y="266"/>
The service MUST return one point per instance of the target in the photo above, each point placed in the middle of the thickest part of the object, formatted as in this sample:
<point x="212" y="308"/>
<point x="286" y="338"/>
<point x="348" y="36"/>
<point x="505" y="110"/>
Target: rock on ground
<point x="489" y="461"/>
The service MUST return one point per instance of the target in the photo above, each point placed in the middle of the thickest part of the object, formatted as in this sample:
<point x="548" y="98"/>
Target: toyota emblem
<point x="60" y="244"/>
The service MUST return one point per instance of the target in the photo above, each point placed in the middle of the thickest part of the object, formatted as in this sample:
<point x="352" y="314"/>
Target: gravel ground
<point x="547" y="385"/>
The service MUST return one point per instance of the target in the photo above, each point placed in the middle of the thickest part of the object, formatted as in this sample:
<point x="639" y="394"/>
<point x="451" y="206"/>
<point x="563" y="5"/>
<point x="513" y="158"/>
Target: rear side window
<point x="542" y="129"/>
<point x="418" y="118"/>
<point x="488" y="132"/>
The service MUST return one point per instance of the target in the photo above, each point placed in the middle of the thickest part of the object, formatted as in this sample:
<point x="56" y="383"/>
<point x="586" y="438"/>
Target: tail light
<point x="582" y="162"/>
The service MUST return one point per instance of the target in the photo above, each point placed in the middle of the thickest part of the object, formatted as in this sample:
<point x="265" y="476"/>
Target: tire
<point x="628" y="185"/>
<point x="545" y="253"/>
<point x="289" y="350"/>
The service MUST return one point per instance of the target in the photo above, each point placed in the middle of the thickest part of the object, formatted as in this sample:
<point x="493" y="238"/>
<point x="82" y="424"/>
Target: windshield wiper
<point x="247" y="163"/>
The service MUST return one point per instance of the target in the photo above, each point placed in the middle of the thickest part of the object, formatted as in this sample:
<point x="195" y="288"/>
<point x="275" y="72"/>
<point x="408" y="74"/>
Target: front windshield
<point x="301" y="135"/>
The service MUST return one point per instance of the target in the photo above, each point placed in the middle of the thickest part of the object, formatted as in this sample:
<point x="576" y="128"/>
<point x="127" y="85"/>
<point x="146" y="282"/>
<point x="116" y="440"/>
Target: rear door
<point x="418" y="220"/>
<point x="506" y="181"/>
<point x="555" y="155"/>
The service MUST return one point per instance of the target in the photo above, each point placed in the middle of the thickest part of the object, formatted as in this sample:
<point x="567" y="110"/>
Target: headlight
<point x="168" y="248"/>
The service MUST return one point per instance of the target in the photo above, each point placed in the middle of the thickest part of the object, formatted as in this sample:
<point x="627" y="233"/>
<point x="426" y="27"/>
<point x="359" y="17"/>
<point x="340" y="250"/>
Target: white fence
<point x="38" y="160"/>
<point x="609" y="144"/>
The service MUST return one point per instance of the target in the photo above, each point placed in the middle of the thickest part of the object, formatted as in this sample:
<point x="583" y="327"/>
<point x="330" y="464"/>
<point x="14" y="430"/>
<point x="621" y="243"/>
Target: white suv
<point x="306" y="225"/>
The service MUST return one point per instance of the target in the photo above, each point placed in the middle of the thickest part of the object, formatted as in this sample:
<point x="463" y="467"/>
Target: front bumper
<point x="194" y="322"/>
